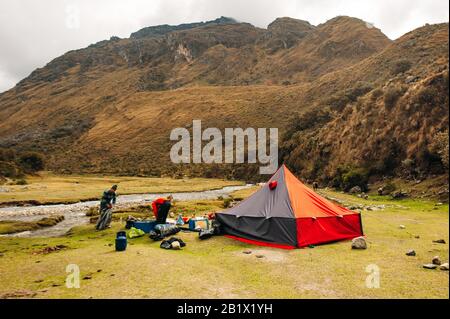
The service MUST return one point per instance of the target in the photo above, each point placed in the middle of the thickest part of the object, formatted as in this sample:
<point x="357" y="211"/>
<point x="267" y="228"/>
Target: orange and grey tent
<point x="285" y="213"/>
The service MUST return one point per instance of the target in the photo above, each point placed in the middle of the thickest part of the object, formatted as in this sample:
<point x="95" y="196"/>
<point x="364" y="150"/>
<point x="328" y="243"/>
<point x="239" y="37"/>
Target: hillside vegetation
<point x="344" y="96"/>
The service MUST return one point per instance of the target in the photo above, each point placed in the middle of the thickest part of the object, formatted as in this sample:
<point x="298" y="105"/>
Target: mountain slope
<point x="111" y="106"/>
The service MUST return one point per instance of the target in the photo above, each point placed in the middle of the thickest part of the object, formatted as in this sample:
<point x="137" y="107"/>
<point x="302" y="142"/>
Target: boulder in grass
<point x="411" y="252"/>
<point x="444" y="266"/>
<point x="430" y="266"/>
<point x="355" y="190"/>
<point x="436" y="261"/>
<point x="359" y="243"/>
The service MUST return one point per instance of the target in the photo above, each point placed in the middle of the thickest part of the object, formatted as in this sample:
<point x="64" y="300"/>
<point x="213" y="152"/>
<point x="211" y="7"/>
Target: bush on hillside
<point x="7" y="155"/>
<point x="440" y="146"/>
<point x="9" y="169"/>
<point x="401" y="66"/>
<point x="355" y="177"/>
<point x="360" y="89"/>
<point x="377" y="93"/>
<point x="392" y="95"/>
<point x="346" y="178"/>
<point x="32" y="162"/>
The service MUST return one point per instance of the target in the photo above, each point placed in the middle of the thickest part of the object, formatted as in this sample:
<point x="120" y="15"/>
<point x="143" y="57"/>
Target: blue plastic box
<point x="145" y="226"/>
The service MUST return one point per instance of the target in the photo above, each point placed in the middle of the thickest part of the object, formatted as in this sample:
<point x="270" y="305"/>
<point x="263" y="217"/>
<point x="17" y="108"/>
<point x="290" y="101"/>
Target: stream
<point x="75" y="214"/>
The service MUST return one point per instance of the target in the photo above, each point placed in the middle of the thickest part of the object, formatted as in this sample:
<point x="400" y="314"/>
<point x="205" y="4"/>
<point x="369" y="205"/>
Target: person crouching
<point x="161" y="208"/>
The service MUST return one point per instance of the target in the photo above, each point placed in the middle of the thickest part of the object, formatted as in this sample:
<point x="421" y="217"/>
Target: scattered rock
<point x="417" y="237"/>
<point x="99" y="270"/>
<point x="247" y="252"/>
<point x="259" y="256"/>
<point x="1" y="254"/>
<point x="56" y="285"/>
<point x="359" y="243"/>
<point x="39" y="281"/>
<point x="402" y="226"/>
<point x="430" y="266"/>
<point x="87" y="277"/>
<point x="380" y="191"/>
<point x="355" y="190"/>
<point x="411" y="79"/>
<point x="112" y="275"/>
<point x="411" y="252"/>
<point x="444" y="266"/>
<point x="399" y="195"/>
<point x="436" y="261"/>
<point x="439" y="241"/>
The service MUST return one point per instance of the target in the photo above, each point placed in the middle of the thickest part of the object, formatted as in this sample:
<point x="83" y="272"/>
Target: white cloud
<point x="34" y="32"/>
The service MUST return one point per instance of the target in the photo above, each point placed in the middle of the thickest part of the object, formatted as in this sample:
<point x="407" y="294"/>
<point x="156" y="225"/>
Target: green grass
<point x="51" y="188"/>
<point x="14" y="226"/>
<point x="217" y="268"/>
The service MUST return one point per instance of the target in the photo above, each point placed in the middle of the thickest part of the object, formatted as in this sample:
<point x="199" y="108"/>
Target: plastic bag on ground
<point x="134" y="233"/>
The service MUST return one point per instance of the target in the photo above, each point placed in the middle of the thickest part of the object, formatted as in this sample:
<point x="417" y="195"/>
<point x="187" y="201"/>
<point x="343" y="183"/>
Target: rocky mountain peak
<point x="161" y="30"/>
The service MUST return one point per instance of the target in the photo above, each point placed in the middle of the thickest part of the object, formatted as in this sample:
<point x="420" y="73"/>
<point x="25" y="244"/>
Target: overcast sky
<point x="34" y="32"/>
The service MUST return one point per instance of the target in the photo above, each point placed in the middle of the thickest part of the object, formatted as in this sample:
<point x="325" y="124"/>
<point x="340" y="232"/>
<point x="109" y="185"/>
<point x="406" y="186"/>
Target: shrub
<point x="32" y="161"/>
<point x="7" y="155"/>
<point x="392" y="95"/>
<point x="355" y="177"/>
<point x="440" y="146"/>
<point x="389" y="188"/>
<point x="360" y="89"/>
<point x="401" y="66"/>
<point x="376" y="94"/>
<point x="427" y="95"/>
<point x="9" y="169"/>
<point x="227" y="202"/>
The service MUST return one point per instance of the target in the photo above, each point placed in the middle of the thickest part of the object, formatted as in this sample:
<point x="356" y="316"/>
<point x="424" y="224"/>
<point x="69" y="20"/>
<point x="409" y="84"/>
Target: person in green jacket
<point x="106" y="204"/>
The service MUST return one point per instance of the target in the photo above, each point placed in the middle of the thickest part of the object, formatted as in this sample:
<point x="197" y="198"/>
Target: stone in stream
<point x="359" y="243"/>
<point x="436" y="261"/>
<point x="430" y="266"/>
<point x="444" y="266"/>
<point x="411" y="252"/>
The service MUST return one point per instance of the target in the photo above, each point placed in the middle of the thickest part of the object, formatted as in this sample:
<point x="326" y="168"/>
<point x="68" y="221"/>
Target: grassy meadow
<point x="53" y="188"/>
<point x="219" y="268"/>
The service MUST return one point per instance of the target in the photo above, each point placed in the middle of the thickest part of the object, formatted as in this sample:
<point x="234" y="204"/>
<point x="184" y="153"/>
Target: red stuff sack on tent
<point x="273" y="185"/>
